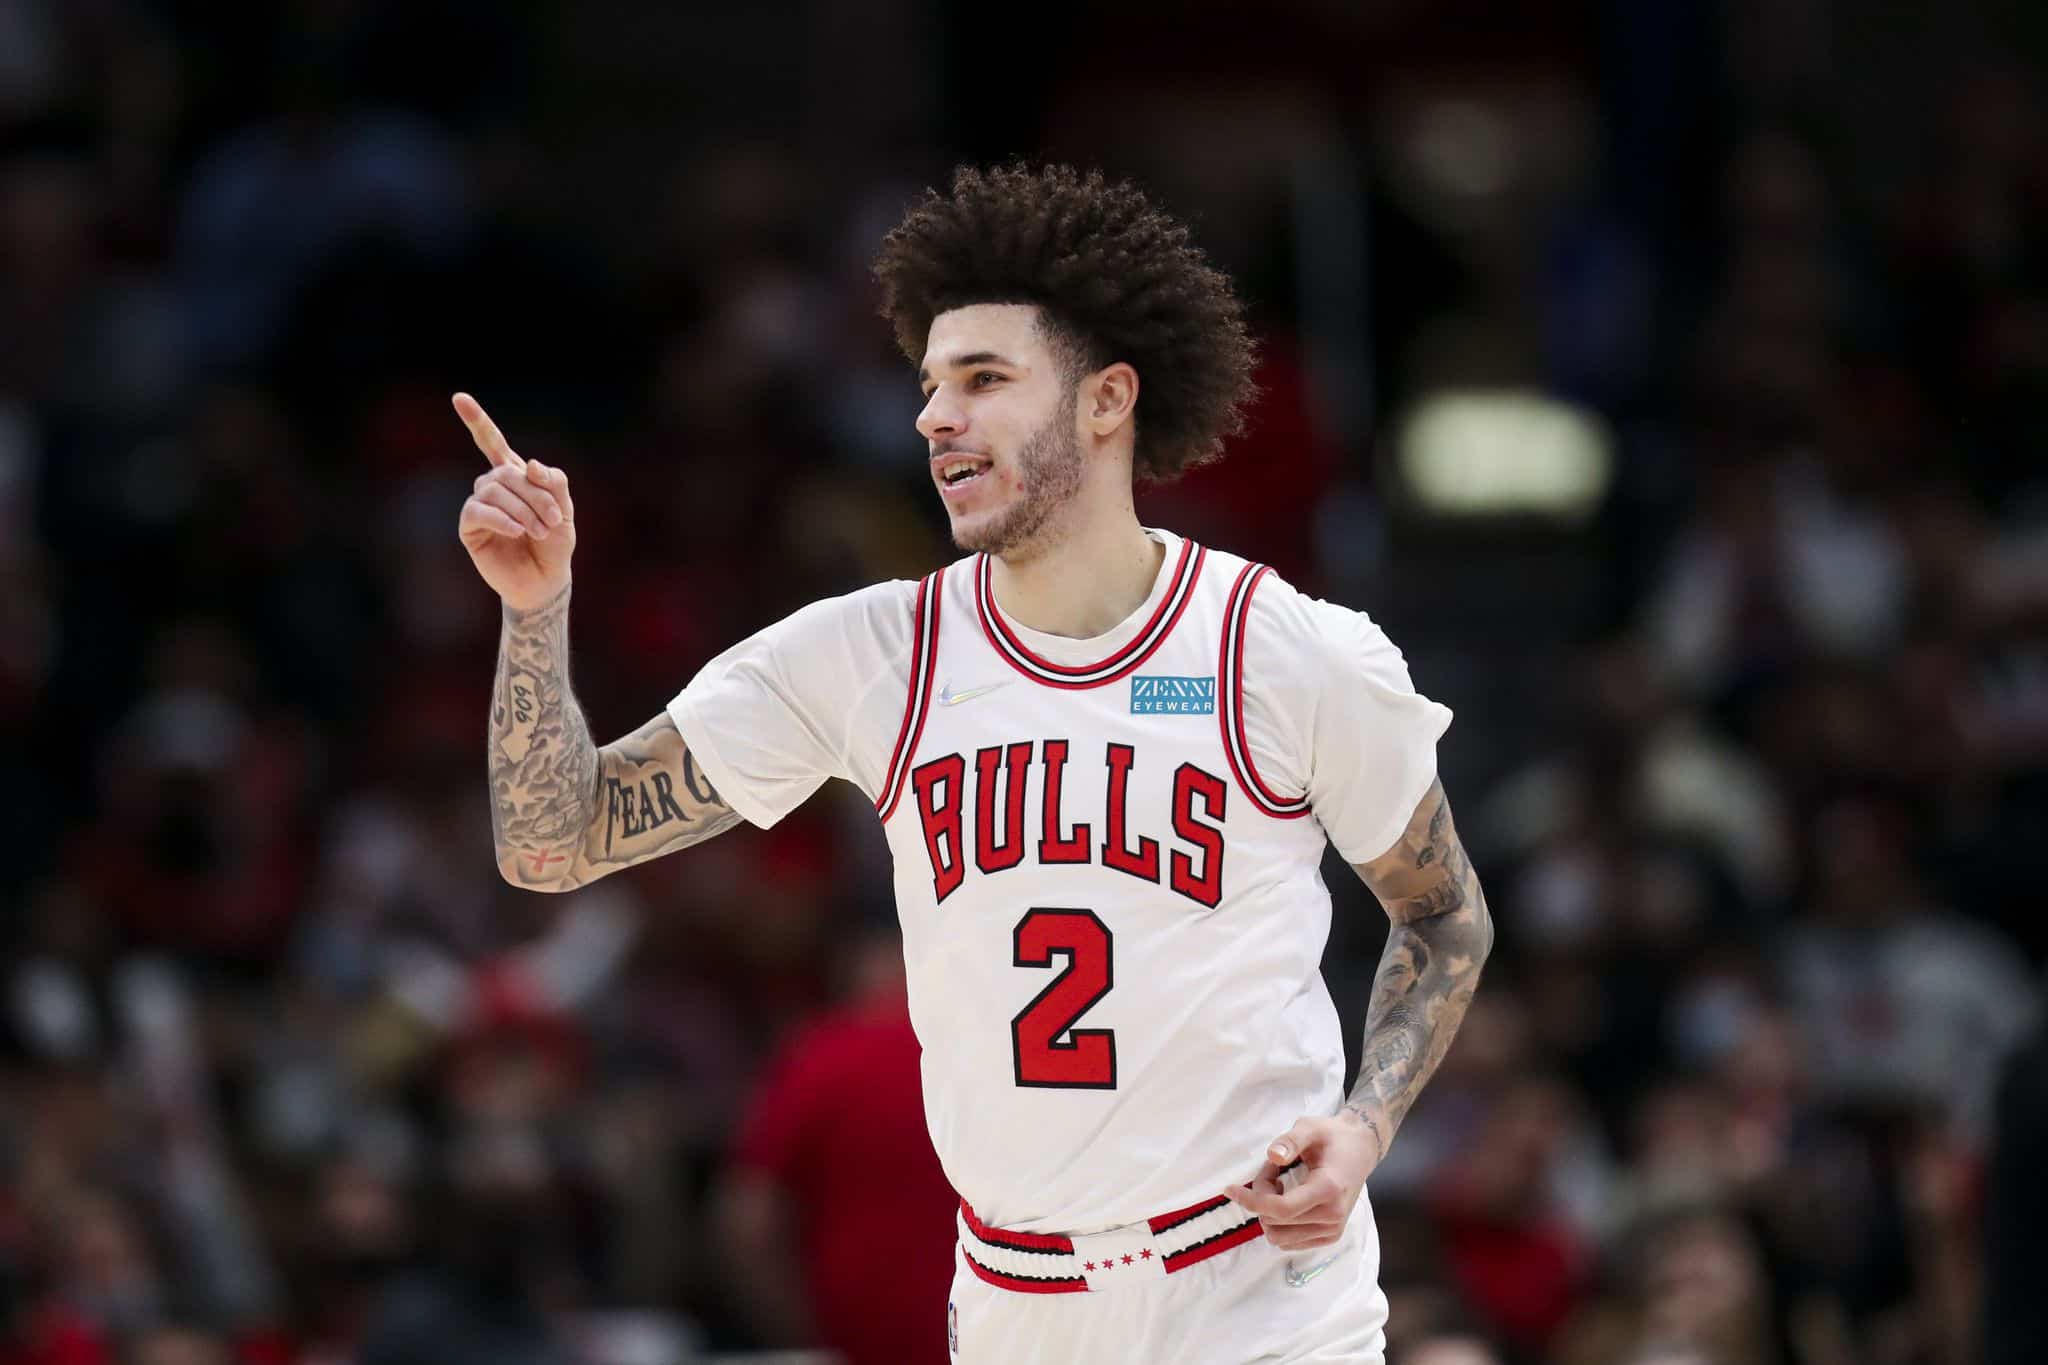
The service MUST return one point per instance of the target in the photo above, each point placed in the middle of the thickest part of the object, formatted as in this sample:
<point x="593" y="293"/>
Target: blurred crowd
<point x="1753" y="759"/>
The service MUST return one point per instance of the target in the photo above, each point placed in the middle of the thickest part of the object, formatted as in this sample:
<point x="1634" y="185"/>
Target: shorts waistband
<point x="1047" y="1263"/>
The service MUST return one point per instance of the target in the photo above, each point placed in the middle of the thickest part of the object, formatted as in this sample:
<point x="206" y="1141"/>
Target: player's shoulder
<point x="850" y="635"/>
<point x="889" y="600"/>
<point x="1299" y="649"/>
<point x="883" y="609"/>
<point x="1279" y="617"/>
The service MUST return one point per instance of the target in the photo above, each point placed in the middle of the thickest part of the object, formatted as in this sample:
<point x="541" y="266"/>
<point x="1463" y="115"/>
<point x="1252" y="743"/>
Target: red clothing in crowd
<point x="838" y="1125"/>
<point x="1523" y="1272"/>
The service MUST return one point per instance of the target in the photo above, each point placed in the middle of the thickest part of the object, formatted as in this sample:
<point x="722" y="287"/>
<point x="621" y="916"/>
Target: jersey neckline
<point x="1122" y="648"/>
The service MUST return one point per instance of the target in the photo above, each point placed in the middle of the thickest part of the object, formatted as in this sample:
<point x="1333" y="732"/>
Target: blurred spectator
<point x="361" y="1232"/>
<point x="836" y="1214"/>
<point x="172" y="1343"/>
<point x="1509" y="1243"/>
<point x="104" y="1281"/>
<point x="198" y="845"/>
<point x="1449" y="1350"/>
<point x="1903" y="1002"/>
<point x="498" y="1279"/>
<point x="1693" y="1287"/>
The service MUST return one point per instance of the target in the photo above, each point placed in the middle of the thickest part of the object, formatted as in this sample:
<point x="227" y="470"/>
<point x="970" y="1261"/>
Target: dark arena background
<point x="1670" y="379"/>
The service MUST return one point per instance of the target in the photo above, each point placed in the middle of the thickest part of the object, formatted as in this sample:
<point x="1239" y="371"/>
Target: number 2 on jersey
<point x="1087" y="1060"/>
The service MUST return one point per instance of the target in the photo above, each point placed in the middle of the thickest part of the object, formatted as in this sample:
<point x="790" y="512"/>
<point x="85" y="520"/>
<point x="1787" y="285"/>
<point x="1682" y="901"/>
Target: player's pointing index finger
<point x="485" y="433"/>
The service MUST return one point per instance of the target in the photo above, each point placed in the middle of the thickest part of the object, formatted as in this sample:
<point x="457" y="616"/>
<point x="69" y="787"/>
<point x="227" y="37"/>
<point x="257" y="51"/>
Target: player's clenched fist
<point x="519" y="523"/>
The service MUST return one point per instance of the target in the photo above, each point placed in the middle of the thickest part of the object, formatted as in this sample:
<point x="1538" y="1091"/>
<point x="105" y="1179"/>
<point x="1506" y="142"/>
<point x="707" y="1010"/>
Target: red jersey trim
<point x="1215" y="1246"/>
<point x="1015" y="1241"/>
<point x="917" y="701"/>
<point x="1165" y="1222"/>
<point x="1023" y="1284"/>
<point x="1230" y="715"/>
<point x="1186" y="574"/>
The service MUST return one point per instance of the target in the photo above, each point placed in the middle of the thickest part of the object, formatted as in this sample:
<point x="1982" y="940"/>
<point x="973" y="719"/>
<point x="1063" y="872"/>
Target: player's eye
<point x="985" y="378"/>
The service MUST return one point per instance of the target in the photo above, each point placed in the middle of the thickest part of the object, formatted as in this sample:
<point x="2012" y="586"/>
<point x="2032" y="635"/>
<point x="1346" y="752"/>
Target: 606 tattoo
<point x="518" y="739"/>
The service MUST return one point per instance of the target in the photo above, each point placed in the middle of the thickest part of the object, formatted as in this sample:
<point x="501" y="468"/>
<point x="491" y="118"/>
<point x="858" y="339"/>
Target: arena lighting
<point x="1503" y="452"/>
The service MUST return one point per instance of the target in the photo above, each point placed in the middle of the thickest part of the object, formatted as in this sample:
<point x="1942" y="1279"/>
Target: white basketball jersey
<point x="1113" y="938"/>
<point x="1106" y="860"/>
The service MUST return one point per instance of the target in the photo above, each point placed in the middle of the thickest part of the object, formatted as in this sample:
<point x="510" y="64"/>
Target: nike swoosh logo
<point x="1297" y="1278"/>
<point x="948" y="697"/>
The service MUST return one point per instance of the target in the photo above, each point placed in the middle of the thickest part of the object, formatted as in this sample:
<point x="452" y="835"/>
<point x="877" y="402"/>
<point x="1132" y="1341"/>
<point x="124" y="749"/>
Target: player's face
<point x="999" y="418"/>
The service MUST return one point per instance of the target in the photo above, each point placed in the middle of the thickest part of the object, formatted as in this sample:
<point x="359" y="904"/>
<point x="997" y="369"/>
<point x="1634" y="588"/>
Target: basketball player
<point x="1107" y="760"/>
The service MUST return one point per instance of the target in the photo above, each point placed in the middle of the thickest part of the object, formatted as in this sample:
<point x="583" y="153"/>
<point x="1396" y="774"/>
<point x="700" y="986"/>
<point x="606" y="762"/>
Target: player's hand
<point x="519" y="523"/>
<point x="1336" y="1155"/>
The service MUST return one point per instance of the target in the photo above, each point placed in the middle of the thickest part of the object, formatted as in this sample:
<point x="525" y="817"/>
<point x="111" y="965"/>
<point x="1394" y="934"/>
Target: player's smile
<point x="957" y="471"/>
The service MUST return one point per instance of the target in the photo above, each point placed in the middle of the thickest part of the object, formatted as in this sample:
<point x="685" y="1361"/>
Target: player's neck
<point x="1083" y="581"/>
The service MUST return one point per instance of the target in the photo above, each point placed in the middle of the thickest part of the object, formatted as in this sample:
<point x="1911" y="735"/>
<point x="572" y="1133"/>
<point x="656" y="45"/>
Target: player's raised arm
<point x="563" y="811"/>
<point x="1439" y="939"/>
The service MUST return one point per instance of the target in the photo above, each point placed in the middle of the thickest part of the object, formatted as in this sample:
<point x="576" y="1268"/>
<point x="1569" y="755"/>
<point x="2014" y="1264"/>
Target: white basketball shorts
<point x="1252" y="1303"/>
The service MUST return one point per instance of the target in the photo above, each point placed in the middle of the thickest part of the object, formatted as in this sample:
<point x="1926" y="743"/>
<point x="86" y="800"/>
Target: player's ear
<point x="1109" y="397"/>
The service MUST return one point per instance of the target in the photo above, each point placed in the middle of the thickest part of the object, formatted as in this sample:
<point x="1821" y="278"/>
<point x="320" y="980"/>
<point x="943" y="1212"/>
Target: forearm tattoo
<point x="543" y="765"/>
<point x="1439" y="939"/>
<point x="564" y="812"/>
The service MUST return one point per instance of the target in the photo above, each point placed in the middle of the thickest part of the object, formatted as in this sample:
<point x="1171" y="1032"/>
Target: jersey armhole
<point x="1230" y="715"/>
<point x="917" y="699"/>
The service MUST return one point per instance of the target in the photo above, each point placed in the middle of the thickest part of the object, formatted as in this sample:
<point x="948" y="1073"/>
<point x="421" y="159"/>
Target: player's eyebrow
<point x="961" y="362"/>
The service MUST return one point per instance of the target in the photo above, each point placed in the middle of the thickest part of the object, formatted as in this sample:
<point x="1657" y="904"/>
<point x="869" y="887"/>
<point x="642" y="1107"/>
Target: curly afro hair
<point x="1115" y="278"/>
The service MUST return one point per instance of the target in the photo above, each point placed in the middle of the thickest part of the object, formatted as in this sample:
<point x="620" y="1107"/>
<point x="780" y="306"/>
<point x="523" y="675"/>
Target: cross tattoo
<point x="541" y="860"/>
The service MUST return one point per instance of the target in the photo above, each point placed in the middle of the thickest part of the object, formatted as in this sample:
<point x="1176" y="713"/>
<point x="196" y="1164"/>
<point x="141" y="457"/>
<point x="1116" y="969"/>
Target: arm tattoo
<point x="653" y="798"/>
<point x="543" y="765"/>
<point x="564" y="812"/>
<point x="1440" y="937"/>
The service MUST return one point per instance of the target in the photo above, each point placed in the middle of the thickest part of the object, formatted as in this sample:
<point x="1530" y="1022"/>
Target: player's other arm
<point x="563" y="811"/>
<point x="1439" y="939"/>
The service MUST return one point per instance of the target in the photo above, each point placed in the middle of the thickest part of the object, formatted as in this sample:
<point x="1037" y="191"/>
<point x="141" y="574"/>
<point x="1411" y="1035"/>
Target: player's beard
<point x="1050" y="467"/>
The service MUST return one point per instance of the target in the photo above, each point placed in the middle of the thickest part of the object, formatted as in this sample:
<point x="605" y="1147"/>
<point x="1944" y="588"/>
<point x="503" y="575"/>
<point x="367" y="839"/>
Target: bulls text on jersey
<point x="1004" y="827"/>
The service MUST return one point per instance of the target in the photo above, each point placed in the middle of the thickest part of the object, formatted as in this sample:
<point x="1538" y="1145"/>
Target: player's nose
<point x="942" y="416"/>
